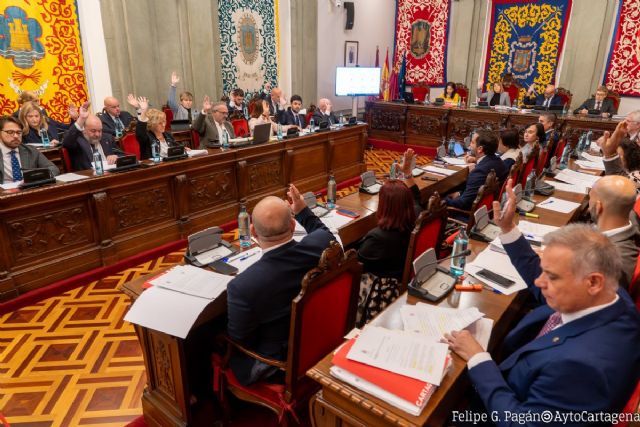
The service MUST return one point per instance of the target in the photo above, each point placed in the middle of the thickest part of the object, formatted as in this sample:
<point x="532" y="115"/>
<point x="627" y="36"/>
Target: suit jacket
<point x="504" y="97"/>
<point x="109" y="126"/>
<point x="319" y="117"/>
<point x="208" y="131"/>
<point x="288" y="118"/>
<point x="81" y="151"/>
<point x="539" y="100"/>
<point x="578" y="366"/>
<point x="31" y="158"/>
<point x="145" y="138"/>
<point x="476" y="179"/>
<point x="179" y="112"/>
<point x="259" y="299"/>
<point x="33" y="137"/>
<point x="590" y="104"/>
<point x="627" y="243"/>
<point x="274" y="110"/>
<point x="613" y="166"/>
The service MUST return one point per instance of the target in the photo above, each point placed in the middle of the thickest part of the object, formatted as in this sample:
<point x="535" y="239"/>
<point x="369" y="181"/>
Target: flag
<point x="377" y="64"/>
<point x="402" y="76"/>
<point x="384" y="84"/>
<point x="393" y="85"/>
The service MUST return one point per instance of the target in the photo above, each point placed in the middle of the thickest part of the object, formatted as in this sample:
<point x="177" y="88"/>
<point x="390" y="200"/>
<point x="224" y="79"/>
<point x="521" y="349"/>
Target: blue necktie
<point x="15" y="167"/>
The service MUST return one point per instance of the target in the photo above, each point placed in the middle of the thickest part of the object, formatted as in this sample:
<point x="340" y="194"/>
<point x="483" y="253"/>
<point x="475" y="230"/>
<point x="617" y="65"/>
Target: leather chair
<point x="463" y="91"/>
<point x="565" y="95"/>
<point x="514" y="173"/>
<point x="615" y="98"/>
<point x="420" y="91"/>
<point x="169" y="115"/>
<point x="66" y="160"/>
<point x="129" y="144"/>
<point x="487" y="193"/>
<point x="240" y="127"/>
<point x="530" y="164"/>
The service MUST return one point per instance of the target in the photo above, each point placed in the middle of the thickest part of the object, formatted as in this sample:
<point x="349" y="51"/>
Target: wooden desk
<point x="54" y="232"/>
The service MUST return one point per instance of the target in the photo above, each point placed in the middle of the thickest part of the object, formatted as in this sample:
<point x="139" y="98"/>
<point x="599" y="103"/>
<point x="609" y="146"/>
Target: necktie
<point x="189" y="114"/>
<point x="598" y="105"/>
<point x="554" y="320"/>
<point x="15" y="167"/>
<point x="297" y="119"/>
<point x="119" y="124"/>
<point x="546" y="102"/>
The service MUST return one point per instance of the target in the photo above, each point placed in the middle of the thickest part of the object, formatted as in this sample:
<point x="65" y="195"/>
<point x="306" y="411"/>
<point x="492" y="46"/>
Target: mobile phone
<point x="347" y="212"/>
<point x="222" y="267"/>
<point x="495" y="278"/>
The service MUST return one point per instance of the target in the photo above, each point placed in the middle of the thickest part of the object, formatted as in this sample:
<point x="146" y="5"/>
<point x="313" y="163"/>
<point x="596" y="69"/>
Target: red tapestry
<point x="422" y="32"/>
<point x="623" y="65"/>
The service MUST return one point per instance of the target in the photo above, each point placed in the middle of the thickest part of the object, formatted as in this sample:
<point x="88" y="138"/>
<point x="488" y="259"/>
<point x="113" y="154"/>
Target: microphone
<point x="438" y="261"/>
<point x="438" y="284"/>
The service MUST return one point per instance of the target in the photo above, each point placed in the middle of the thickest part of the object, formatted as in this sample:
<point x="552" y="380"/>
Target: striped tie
<point x="554" y="320"/>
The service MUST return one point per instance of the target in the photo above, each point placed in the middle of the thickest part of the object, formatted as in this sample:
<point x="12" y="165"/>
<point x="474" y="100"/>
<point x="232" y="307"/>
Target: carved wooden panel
<point x="162" y="368"/>
<point x="422" y="124"/>
<point x="212" y="189"/>
<point x="386" y="120"/>
<point x="140" y="207"/>
<point x="49" y="232"/>
<point x="265" y="174"/>
<point x="573" y="131"/>
<point x="461" y="126"/>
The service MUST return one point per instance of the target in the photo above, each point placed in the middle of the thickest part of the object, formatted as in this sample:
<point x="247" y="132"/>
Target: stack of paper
<point x="569" y="188"/>
<point x="194" y="153"/>
<point x="558" y="205"/>
<point x="245" y="259"/>
<point x="300" y="232"/>
<point x="105" y="166"/>
<point x="586" y="164"/>
<point x="433" y="322"/>
<point x="454" y="161"/>
<point x="10" y="185"/>
<point x="439" y="171"/>
<point x="577" y="178"/>
<point x="70" y="177"/>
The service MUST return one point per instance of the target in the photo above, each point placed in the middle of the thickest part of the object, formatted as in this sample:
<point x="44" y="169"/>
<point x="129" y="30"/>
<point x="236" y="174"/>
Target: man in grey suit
<point x="610" y="202"/>
<point x="16" y="156"/>
<point x="211" y="126"/>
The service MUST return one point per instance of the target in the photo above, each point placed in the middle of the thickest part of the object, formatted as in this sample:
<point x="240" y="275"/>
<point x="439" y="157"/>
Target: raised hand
<point x="610" y="142"/>
<point x="131" y="99"/>
<point x="174" y="79"/>
<point x="295" y="199"/>
<point x="505" y="217"/>
<point x="206" y="104"/>
<point x="407" y="161"/>
<point x="73" y="112"/>
<point x="143" y="104"/>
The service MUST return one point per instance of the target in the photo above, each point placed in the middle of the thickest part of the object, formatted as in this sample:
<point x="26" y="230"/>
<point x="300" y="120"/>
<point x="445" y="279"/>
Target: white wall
<point x="284" y="55"/>
<point x="373" y="26"/>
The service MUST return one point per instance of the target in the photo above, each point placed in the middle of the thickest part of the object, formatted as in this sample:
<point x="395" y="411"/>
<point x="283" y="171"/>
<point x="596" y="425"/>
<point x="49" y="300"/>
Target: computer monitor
<point x="357" y="81"/>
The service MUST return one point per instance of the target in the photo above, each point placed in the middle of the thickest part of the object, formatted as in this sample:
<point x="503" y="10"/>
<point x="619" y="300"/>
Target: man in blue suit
<point x="292" y="116"/>
<point x="483" y="147"/>
<point x="546" y="99"/>
<point x="578" y="350"/>
<point x="259" y="299"/>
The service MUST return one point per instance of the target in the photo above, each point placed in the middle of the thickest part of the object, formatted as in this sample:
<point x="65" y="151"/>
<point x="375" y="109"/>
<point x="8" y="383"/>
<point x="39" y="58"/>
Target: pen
<point x="529" y="215"/>
<point x="246" y="256"/>
<point x="429" y="178"/>
<point x="546" y="202"/>
<point x="489" y="288"/>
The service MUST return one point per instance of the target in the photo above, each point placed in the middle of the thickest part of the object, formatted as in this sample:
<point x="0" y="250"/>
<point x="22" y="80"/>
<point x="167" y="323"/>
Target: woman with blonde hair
<point x="35" y="126"/>
<point x="497" y="96"/>
<point x="150" y="129"/>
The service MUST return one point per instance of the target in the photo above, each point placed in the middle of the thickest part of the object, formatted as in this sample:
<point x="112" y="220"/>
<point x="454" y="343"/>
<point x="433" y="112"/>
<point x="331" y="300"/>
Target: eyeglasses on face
<point x="224" y="113"/>
<point x="12" y="132"/>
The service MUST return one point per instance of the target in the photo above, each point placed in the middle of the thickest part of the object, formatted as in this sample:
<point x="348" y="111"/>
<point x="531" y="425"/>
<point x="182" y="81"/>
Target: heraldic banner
<point x="526" y="38"/>
<point x="422" y="33"/>
<point x="623" y="65"/>
<point x="249" y="39"/>
<point x="40" y="51"/>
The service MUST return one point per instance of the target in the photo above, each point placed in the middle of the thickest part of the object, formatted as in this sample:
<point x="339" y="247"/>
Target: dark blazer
<point x="31" y="158"/>
<point x="81" y="151"/>
<point x="232" y="109"/>
<point x="577" y="367"/>
<point x="145" y="138"/>
<point x="274" y="108"/>
<point x="539" y="100"/>
<point x="476" y="179"/>
<point x="627" y="243"/>
<point x="259" y="299"/>
<point x="606" y="107"/>
<point x="288" y="118"/>
<point x="319" y="117"/>
<point x="109" y="126"/>
<point x="33" y="137"/>
<point x="209" y="132"/>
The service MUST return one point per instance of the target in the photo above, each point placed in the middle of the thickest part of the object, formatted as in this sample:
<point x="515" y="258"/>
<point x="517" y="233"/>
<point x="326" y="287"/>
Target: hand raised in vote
<point x="84" y="111"/>
<point x="505" y="217"/>
<point x="480" y="83"/>
<point x="407" y="161"/>
<point x="295" y="199"/>
<point x="206" y="104"/>
<point x="463" y="343"/>
<point x="131" y="99"/>
<point x="73" y="112"/>
<point x="610" y="142"/>
<point x="143" y="104"/>
<point x="174" y="79"/>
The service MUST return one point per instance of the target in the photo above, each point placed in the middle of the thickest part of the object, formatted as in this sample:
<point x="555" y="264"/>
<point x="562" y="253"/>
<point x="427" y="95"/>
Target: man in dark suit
<point x="600" y="104"/>
<point x="324" y="113"/>
<point x="578" y="350"/>
<point x="483" y="147"/>
<point x="211" y="126"/>
<point x="114" y="120"/>
<point x="292" y="116"/>
<point x="236" y="104"/>
<point x="85" y="137"/>
<point x="15" y="155"/>
<point x="259" y="299"/>
<point x="552" y="136"/>
<point x="545" y="99"/>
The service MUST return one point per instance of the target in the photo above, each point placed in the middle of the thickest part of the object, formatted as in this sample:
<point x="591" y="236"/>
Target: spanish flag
<point x="384" y="83"/>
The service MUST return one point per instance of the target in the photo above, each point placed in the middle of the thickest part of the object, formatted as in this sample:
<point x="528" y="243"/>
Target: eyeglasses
<point x="224" y="113"/>
<point x="13" y="132"/>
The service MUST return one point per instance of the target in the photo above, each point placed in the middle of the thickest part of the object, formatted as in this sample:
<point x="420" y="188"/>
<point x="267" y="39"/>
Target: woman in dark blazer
<point x="497" y="96"/>
<point x="34" y="122"/>
<point x="151" y="128"/>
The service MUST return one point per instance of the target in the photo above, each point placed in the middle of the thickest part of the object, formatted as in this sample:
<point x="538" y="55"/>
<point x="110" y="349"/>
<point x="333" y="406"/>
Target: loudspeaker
<point x="351" y="14"/>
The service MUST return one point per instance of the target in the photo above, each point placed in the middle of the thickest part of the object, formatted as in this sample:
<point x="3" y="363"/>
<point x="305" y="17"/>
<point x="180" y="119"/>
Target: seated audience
<point x="34" y="123"/>
<point x="211" y="126"/>
<point x="497" y="96"/>
<point x="324" y="113"/>
<point x="16" y="155"/>
<point x="236" y="103"/>
<point x="599" y="104"/>
<point x="450" y="95"/>
<point x="292" y="116"/>
<point x="259" y="298"/>
<point x="114" y="120"/>
<point x="484" y="145"/>
<point x="545" y="99"/>
<point x="621" y="155"/>
<point x="150" y="129"/>
<point x="532" y="134"/>
<point x="183" y="110"/>
<point x="508" y="146"/>
<point x="578" y="350"/>
<point x="85" y="137"/>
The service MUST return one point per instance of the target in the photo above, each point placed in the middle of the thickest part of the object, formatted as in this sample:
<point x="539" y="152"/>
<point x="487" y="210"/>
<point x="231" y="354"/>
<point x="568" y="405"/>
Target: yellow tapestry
<point x="40" y="51"/>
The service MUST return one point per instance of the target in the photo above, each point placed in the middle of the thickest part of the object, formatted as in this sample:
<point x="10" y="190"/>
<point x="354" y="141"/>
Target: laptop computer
<point x="261" y="133"/>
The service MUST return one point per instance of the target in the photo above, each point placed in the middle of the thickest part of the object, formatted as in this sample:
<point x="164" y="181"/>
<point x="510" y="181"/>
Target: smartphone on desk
<point x="347" y="212"/>
<point x="496" y="278"/>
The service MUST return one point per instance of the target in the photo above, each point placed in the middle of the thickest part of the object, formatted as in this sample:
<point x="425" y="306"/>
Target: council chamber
<point x="319" y="213"/>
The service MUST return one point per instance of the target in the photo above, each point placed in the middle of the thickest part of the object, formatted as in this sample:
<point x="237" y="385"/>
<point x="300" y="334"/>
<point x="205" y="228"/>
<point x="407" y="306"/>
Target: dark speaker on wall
<point x="351" y="14"/>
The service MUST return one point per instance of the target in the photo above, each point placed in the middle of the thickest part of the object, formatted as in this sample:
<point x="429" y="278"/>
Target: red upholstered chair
<point x="129" y="144"/>
<point x="632" y="406"/>
<point x="530" y="164"/>
<point x="565" y="95"/>
<point x="560" y="148"/>
<point x="240" y="127"/>
<point x="428" y="233"/>
<point x="420" y="91"/>
<point x="615" y="98"/>
<point x="66" y="160"/>
<point x="542" y="160"/>
<point x="321" y="315"/>
<point x="195" y="139"/>
<point x="169" y="114"/>
<point x="514" y="173"/>
<point x="463" y="91"/>
<point x="634" y="286"/>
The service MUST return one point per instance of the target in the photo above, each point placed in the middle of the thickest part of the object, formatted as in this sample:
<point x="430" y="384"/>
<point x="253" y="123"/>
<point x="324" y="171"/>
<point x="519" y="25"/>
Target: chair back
<point x="323" y="312"/>
<point x="428" y="233"/>
<point x="565" y="95"/>
<point x="463" y="91"/>
<point x="66" y="160"/>
<point x="420" y="91"/>
<point x="530" y="164"/>
<point x="485" y="197"/>
<point x="129" y="144"/>
<point x="542" y="159"/>
<point x="615" y="98"/>
<point x="513" y="90"/>
<point x="240" y="127"/>
<point x="169" y="115"/>
<point x="514" y="173"/>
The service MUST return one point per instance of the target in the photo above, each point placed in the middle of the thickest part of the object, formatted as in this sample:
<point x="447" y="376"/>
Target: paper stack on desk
<point x="577" y="178"/>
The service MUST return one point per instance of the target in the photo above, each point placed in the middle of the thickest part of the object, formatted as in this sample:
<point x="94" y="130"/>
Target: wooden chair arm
<point x="462" y="211"/>
<point x="269" y="361"/>
<point x="457" y="221"/>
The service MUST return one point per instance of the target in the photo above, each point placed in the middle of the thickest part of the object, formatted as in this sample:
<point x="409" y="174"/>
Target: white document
<point x="375" y="188"/>
<point x="194" y="153"/>
<point x="245" y="259"/>
<point x="535" y="231"/>
<point x="569" y="188"/>
<point x="558" y="205"/>
<point x="439" y="171"/>
<point x="433" y="321"/>
<point x="10" y="185"/>
<point x="577" y="178"/>
<point x="400" y="352"/>
<point x="300" y="232"/>
<point x="37" y="144"/>
<point x="70" y="177"/>
<point x="586" y="164"/>
<point x="105" y="165"/>
<point x="195" y="281"/>
<point x="454" y="161"/>
<point x="213" y="255"/>
<point x="500" y="264"/>
<point x="163" y="310"/>
<point x="481" y="331"/>
<point x="592" y="158"/>
<point x="334" y="221"/>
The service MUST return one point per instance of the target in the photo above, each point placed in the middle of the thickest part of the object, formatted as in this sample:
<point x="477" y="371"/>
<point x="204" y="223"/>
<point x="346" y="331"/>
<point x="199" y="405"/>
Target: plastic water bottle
<point x="580" y="146"/>
<point x="459" y="246"/>
<point x="451" y="150"/>
<point x="243" y="226"/>
<point x="155" y="152"/>
<point x="97" y="162"/>
<point x="341" y="119"/>
<point x="588" y="140"/>
<point x="279" y="132"/>
<point x="564" y="160"/>
<point x="312" y="124"/>
<point x="565" y="109"/>
<point x="530" y="185"/>
<point x="44" y="137"/>
<point x="393" y="172"/>
<point x="459" y="103"/>
<point x="225" y="139"/>
<point x="245" y="112"/>
<point x="331" y="192"/>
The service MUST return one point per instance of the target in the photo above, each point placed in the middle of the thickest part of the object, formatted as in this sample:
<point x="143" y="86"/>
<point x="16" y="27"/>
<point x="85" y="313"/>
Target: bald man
<point x="323" y="113"/>
<point x="84" y="137"/>
<point x="611" y="201"/>
<point x="114" y="120"/>
<point x="276" y="101"/>
<point x="259" y="299"/>
<point x="546" y="99"/>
